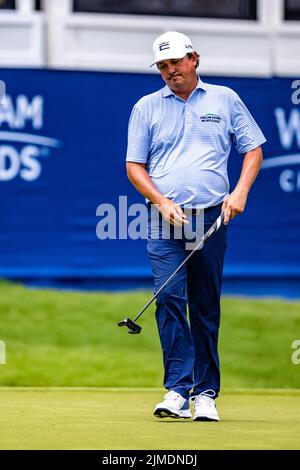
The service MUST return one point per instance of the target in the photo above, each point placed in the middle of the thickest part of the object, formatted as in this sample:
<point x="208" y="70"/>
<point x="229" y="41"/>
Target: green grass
<point x="122" y="419"/>
<point x="71" y="339"/>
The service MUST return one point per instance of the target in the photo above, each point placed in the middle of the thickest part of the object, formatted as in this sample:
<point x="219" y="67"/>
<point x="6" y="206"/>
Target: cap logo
<point x="188" y="46"/>
<point x="164" y="45"/>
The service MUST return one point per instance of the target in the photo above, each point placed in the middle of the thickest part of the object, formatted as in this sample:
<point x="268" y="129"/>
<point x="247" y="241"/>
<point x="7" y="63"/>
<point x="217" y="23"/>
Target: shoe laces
<point x="171" y="395"/>
<point x="204" y="399"/>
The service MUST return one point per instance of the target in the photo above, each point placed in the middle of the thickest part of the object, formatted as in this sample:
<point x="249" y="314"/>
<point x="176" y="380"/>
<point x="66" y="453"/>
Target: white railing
<point x="269" y="46"/>
<point x="21" y="36"/>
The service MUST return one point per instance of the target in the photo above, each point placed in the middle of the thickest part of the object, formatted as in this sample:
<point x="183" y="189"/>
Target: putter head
<point x="133" y="328"/>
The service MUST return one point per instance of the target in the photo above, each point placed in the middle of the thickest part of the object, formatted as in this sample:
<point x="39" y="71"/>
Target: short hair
<point x="190" y="55"/>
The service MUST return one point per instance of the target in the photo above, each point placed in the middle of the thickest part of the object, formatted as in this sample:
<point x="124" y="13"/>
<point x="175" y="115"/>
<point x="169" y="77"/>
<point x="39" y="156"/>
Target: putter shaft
<point x="132" y="326"/>
<point x="216" y="225"/>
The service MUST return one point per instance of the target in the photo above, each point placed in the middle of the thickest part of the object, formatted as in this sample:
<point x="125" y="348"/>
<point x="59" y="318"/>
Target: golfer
<point x="179" y="140"/>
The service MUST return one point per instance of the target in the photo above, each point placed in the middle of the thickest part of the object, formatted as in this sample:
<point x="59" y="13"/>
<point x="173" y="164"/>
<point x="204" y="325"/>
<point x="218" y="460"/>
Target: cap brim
<point x="169" y="58"/>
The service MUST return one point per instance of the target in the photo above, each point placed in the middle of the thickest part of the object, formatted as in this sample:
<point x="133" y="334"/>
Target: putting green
<point x="72" y="418"/>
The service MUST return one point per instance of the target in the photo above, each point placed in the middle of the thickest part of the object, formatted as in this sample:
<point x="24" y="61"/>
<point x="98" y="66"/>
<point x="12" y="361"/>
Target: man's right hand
<point x="139" y="177"/>
<point x="172" y="212"/>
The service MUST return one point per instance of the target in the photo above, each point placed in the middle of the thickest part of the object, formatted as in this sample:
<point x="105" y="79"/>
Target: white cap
<point x="171" y="45"/>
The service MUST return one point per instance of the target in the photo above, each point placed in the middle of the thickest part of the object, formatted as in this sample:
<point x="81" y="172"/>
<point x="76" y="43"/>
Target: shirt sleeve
<point x="246" y="133"/>
<point x="138" y="137"/>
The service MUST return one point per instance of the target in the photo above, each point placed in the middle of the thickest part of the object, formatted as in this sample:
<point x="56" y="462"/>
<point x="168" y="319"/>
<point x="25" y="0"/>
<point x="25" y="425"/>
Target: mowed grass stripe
<point x="79" y="419"/>
<point x="234" y="391"/>
<point x="56" y="338"/>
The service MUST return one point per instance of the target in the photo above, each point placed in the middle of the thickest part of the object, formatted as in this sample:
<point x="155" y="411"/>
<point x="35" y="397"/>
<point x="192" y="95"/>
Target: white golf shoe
<point x="205" y="409"/>
<point x="173" y="406"/>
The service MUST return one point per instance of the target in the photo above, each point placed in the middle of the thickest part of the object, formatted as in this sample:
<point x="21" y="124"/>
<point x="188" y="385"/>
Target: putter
<point x="134" y="328"/>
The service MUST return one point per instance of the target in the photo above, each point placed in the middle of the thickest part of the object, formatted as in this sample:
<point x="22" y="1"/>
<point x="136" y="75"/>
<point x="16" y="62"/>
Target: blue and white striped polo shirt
<point x="186" y="144"/>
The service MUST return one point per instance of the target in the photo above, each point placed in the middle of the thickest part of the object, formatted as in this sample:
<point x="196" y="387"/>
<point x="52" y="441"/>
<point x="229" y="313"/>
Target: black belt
<point x="186" y="210"/>
<point x="191" y="211"/>
<point x="194" y="211"/>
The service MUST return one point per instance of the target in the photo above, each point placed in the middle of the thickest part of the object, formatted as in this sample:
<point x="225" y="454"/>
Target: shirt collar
<point x="168" y="92"/>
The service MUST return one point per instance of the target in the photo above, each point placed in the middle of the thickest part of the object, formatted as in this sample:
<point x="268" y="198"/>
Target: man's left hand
<point x="233" y="205"/>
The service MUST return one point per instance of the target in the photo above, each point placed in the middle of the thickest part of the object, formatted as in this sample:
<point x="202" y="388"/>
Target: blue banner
<point x="63" y="141"/>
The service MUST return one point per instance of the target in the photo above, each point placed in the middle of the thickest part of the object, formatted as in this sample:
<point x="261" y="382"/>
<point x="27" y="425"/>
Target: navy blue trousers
<point x="190" y="348"/>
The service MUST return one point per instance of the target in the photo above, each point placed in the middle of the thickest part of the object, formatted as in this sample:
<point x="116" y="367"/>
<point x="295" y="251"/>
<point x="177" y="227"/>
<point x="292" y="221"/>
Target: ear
<point x="196" y="59"/>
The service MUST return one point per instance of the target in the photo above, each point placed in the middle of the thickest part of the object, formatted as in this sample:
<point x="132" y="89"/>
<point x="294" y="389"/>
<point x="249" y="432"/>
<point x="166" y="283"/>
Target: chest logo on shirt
<point x="210" y="117"/>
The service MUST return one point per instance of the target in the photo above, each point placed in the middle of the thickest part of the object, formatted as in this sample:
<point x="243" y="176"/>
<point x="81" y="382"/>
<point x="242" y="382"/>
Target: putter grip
<point x="216" y="225"/>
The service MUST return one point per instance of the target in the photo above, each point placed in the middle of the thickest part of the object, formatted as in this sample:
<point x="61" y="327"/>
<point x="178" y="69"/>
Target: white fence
<point x="59" y="38"/>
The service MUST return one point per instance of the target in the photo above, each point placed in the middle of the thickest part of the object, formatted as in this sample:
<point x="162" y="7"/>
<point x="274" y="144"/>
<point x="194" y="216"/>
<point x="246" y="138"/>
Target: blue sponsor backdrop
<point x="62" y="154"/>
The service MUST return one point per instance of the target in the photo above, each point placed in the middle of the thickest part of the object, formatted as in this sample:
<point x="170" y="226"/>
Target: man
<point x="179" y="140"/>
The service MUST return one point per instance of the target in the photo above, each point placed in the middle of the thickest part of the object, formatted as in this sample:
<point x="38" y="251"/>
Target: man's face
<point x="178" y="74"/>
